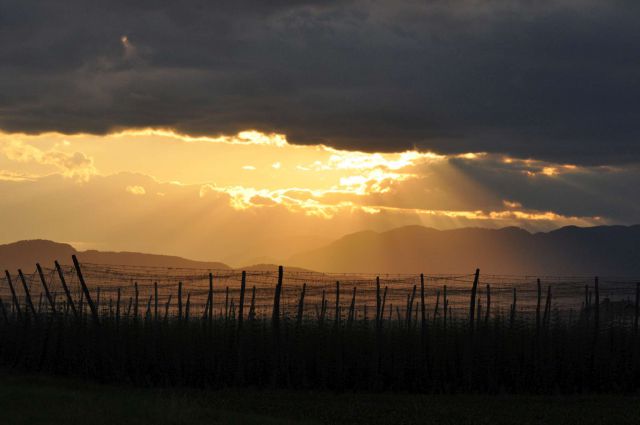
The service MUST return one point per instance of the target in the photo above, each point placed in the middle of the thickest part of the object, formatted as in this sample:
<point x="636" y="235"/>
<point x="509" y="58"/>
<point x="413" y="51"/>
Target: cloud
<point x="247" y="137"/>
<point x="74" y="165"/>
<point x="511" y="204"/>
<point x="487" y="188"/>
<point x="15" y="177"/>
<point x="135" y="190"/>
<point x="549" y="80"/>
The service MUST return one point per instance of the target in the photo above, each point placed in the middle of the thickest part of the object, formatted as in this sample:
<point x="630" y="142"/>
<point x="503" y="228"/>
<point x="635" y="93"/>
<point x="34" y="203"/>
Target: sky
<point x="248" y="131"/>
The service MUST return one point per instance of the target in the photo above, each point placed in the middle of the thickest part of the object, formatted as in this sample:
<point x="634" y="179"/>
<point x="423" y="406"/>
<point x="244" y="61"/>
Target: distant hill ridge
<point x="24" y="254"/>
<point x="571" y="250"/>
<point x="603" y="250"/>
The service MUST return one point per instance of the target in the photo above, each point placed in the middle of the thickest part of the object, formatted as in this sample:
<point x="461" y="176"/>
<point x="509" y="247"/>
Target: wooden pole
<point x="94" y="311"/>
<point x="252" y="306"/>
<point x="435" y="309"/>
<point x="301" y="305"/>
<point x="538" y="303"/>
<point x="243" y="283"/>
<point x="98" y="300"/>
<point x="547" y="309"/>
<point x="147" y="313"/>
<point x="187" y="307"/>
<point x="27" y="294"/>
<point x="325" y="305"/>
<point x="118" y="307"/>
<point x="422" y="304"/>
<point x="410" y="306"/>
<point x="16" y="303"/>
<point x="472" y="304"/>
<point x="384" y="301"/>
<point x="322" y="307"/>
<point x="135" y="300"/>
<point x="445" y="303"/>
<point x="596" y="315"/>
<point x="179" y="300"/>
<point x="512" y="316"/>
<point x="637" y="309"/>
<point x="226" y="303"/>
<point x="155" y="301"/>
<point x="4" y="312"/>
<point x="337" y="316"/>
<point x="210" y="313"/>
<point x="232" y="310"/>
<point x="81" y="305"/>
<point x="488" y="312"/>
<point x="52" y="304"/>
<point x="586" y="303"/>
<point x="407" y="310"/>
<point x="352" y="308"/>
<point x="378" y="301"/>
<point x="166" y="308"/>
<point x="67" y="293"/>
<point x="586" y="295"/>
<point x="205" y="313"/>
<point x="275" y="316"/>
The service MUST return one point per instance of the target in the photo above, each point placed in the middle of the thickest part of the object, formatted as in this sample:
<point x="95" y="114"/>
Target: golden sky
<point x="243" y="197"/>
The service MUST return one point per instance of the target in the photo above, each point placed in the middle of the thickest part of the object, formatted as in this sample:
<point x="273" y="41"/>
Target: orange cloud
<point x="74" y="165"/>
<point x="136" y="190"/>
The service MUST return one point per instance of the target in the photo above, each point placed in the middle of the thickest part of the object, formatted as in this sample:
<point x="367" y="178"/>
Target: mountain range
<point x="24" y="255"/>
<point x="604" y="250"/>
<point x="601" y="250"/>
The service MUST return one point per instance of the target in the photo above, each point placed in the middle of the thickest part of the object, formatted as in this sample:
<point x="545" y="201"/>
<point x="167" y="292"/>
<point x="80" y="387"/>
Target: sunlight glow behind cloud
<point x="261" y="176"/>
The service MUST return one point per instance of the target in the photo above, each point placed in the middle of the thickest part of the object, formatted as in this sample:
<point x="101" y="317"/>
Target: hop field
<point x="299" y="330"/>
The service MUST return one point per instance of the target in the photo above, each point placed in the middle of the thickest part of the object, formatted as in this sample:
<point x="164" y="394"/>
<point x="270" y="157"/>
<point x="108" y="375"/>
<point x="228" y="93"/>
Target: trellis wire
<point x="570" y="294"/>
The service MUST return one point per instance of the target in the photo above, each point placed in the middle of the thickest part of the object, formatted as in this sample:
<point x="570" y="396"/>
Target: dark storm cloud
<point x="557" y="80"/>
<point x="608" y="192"/>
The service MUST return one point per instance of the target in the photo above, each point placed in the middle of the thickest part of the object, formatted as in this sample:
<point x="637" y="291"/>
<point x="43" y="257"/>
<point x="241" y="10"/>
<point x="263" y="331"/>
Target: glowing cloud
<point x="244" y="137"/>
<point x="306" y="180"/>
<point x="75" y="165"/>
<point x="136" y="190"/>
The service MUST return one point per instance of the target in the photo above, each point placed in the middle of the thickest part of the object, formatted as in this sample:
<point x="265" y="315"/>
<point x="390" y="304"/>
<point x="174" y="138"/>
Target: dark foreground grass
<point x="494" y="358"/>
<point x="32" y="399"/>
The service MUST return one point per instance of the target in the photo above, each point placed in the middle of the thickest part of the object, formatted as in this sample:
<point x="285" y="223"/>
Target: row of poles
<point x="29" y="303"/>
<point x="474" y="319"/>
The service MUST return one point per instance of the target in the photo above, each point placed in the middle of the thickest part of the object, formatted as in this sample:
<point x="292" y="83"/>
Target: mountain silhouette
<point x="25" y="254"/>
<point x="603" y="250"/>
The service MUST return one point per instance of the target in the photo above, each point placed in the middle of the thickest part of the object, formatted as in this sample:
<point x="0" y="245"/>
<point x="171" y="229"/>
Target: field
<point x="273" y="331"/>
<point x="38" y="400"/>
